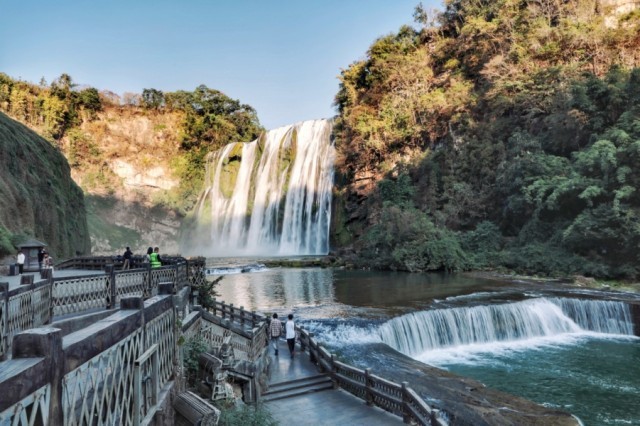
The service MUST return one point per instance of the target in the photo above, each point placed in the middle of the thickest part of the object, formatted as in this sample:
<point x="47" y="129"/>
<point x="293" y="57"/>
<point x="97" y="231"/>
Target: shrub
<point x="406" y="239"/>
<point x="6" y="246"/>
<point x="192" y="350"/>
<point x="246" y="415"/>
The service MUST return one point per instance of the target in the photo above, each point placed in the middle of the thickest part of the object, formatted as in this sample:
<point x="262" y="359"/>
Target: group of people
<point x="44" y="260"/>
<point x="152" y="257"/>
<point x="275" y="331"/>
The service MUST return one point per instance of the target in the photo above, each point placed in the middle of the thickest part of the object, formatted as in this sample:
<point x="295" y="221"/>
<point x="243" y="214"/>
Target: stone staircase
<point x="297" y="387"/>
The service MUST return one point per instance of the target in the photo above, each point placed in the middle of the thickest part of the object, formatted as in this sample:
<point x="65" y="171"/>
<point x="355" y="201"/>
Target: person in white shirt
<point x="20" y="261"/>
<point x="290" y="328"/>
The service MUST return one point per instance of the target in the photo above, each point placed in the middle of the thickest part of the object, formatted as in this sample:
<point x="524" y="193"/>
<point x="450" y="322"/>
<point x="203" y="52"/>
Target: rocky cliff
<point x="39" y="198"/>
<point x="129" y="187"/>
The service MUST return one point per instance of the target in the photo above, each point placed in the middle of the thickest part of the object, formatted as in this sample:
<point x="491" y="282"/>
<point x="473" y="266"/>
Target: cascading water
<point x="418" y="332"/>
<point x="271" y="196"/>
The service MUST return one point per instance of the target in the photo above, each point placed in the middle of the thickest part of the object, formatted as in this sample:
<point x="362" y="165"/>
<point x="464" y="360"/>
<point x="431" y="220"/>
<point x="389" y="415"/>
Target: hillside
<point x="496" y="135"/>
<point x="138" y="158"/>
<point x="39" y="198"/>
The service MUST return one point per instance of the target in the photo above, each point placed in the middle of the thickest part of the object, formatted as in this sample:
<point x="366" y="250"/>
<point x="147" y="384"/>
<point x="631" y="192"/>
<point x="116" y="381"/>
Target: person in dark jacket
<point x="126" y="263"/>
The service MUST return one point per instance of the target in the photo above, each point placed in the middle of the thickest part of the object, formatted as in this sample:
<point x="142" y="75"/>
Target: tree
<point x="152" y="98"/>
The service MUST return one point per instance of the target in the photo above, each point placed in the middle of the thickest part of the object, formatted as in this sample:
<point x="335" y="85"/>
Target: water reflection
<point x="336" y="292"/>
<point x="278" y="289"/>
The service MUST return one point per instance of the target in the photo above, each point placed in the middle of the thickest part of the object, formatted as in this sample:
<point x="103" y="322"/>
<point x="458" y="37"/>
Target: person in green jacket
<point x="156" y="262"/>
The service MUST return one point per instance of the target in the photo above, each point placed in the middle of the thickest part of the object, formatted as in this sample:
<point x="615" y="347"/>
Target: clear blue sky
<point x="281" y="57"/>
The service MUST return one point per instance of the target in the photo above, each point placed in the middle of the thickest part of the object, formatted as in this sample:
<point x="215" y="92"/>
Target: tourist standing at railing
<point x="20" y="261"/>
<point x="41" y="253"/>
<point x="126" y="263"/>
<point x="275" y="331"/>
<point x="147" y="257"/>
<point x="290" y="328"/>
<point x="156" y="262"/>
<point x="47" y="262"/>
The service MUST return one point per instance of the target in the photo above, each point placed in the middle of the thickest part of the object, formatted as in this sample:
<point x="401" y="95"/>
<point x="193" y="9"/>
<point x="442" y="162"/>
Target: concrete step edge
<point x="295" y="392"/>
<point x="301" y="379"/>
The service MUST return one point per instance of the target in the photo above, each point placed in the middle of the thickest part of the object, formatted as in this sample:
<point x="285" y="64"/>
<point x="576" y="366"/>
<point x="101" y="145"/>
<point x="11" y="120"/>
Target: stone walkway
<point x="326" y="407"/>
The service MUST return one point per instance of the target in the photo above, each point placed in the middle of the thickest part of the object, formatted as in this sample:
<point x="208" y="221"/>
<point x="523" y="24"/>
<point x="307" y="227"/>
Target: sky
<point x="281" y="57"/>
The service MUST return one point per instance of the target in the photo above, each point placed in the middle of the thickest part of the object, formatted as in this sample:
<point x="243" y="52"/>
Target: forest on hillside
<point x="498" y="134"/>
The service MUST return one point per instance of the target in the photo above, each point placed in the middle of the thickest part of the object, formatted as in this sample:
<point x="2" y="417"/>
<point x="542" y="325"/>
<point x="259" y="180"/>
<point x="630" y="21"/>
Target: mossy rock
<point x="228" y="178"/>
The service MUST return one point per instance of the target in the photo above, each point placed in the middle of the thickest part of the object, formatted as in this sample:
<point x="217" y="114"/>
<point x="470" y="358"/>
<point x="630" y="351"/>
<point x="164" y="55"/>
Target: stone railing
<point x="236" y="315"/>
<point x="108" y="373"/>
<point x="398" y="399"/>
<point x="33" y="305"/>
<point x="98" y="263"/>
<point x="248" y="338"/>
<point x="22" y="308"/>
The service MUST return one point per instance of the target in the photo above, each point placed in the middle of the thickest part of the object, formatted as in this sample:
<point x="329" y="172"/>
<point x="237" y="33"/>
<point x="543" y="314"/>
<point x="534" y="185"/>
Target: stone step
<point x="297" y="387"/>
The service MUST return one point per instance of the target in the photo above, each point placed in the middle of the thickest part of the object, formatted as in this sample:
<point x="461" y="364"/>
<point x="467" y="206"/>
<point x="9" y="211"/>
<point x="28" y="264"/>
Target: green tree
<point x="152" y="98"/>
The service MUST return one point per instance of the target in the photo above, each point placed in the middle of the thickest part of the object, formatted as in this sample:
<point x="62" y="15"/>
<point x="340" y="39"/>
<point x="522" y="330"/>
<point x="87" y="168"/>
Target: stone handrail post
<point x="45" y="343"/>
<point x="147" y="284"/>
<point x="406" y="416"/>
<point x="242" y="315"/>
<point x="368" y="387"/>
<point x="4" y="319"/>
<point x="312" y="353"/>
<point x="50" y="284"/>
<point x="26" y="279"/>
<point x="110" y="270"/>
<point x="334" y="372"/>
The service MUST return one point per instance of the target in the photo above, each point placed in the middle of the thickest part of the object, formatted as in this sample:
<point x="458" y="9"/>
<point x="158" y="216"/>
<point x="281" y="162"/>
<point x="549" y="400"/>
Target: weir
<point x="271" y="196"/>
<point x="418" y="332"/>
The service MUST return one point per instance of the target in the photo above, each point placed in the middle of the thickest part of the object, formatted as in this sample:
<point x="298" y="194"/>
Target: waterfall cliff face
<point x="271" y="196"/>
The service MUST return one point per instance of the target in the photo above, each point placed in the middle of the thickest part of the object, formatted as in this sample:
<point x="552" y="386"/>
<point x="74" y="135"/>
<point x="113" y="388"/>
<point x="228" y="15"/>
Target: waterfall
<point x="442" y="328"/>
<point x="271" y="196"/>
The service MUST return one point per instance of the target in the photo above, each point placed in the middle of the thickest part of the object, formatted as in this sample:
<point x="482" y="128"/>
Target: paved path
<point x="327" y="407"/>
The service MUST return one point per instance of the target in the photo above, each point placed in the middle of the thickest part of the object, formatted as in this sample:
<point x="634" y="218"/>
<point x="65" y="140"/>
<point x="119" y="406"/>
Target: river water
<point x="562" y="347"/>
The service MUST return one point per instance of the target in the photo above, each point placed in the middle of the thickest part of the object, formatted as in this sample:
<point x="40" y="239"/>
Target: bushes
<point x="246" y="415"/>
<point x="6" y="246"/>
<point x="405" y="239"/>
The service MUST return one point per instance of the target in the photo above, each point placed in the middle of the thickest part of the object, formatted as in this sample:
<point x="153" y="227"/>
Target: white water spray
<point x="271" y="196"/>
<point x="418" y="332"/>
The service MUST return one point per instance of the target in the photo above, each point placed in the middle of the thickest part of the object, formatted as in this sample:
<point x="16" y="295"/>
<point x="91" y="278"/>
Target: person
<point x="156" y="262"/>
<point x="126" y="264"/>
<point x="41" y="253"/>
<point x="20" y="261"/>
<point x="47" y="261"/>
<point x="147" y="257"/>
<point x="290" y="328"/>
<point x="275" y="330"/>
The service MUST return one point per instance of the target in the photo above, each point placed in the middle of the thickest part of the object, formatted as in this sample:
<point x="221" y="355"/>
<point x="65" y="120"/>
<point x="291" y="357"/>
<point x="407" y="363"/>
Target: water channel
<point x="562" y="347"/>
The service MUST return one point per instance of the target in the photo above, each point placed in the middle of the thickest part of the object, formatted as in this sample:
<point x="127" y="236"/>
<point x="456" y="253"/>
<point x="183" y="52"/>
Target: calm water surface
<point x="595" y="377"/>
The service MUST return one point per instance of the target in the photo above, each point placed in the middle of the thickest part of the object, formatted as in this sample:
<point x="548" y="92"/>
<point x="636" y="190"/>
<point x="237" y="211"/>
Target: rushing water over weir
<point x="418" y="332"/>
<point x="271" y="196"/>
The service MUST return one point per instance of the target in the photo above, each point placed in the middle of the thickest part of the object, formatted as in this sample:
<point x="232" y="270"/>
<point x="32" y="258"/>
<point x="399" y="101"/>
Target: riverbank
<point x="576" y="281"/>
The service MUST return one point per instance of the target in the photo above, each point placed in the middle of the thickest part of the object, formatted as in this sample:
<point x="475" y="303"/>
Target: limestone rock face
<point x="38" y="196"/>
<point x="612" y="9"/>
<point x="127" y="207"/>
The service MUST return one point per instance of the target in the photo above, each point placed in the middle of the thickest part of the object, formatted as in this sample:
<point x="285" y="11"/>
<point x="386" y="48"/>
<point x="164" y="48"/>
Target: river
<point x="562" y="347"/>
